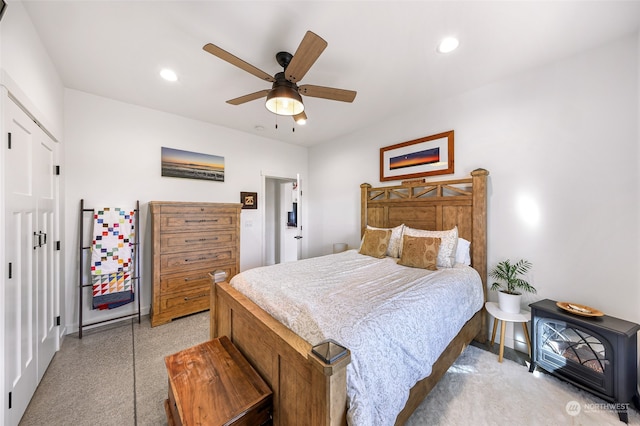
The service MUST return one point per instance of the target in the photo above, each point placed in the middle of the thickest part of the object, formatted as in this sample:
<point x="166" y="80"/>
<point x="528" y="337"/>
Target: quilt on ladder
<point x="111" y="257"/>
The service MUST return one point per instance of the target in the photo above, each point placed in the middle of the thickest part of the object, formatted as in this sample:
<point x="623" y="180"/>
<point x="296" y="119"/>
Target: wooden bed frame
<point x="308" y="391"/>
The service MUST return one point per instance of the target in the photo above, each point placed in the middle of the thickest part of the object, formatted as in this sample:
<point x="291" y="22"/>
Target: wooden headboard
<point x="438" y="205"/>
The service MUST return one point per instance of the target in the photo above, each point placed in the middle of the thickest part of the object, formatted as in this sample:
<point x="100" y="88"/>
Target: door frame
<point x="262" y="203"/>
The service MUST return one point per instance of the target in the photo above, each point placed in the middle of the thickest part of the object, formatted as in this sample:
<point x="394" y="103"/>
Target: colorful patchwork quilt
<point x="112" y="290"/>
<point x="111" y="253"/>
<point x="112" y="236"/>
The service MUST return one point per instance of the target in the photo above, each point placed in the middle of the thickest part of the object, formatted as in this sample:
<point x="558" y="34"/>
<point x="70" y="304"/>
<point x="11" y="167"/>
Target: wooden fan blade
<point x="234" y="60"/>
<point x="327" y="93"/>
<point x="310" y="48"/>
<point x="249" y="97"/>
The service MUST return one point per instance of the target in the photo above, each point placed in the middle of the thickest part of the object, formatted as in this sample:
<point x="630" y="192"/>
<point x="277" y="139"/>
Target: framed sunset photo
<point x="427" y="156"/>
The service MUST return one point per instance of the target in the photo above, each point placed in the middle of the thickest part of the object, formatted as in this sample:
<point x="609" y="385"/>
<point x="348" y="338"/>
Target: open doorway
<point x="283" y="220"/>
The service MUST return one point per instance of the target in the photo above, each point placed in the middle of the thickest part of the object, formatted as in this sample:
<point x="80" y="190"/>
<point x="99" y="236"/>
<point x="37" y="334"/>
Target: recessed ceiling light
<point x="448" y="44"/>
<point x="168" y="74"/>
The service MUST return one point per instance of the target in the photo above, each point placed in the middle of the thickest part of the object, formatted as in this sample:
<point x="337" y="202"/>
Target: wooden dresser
<point x="189" y="241"/>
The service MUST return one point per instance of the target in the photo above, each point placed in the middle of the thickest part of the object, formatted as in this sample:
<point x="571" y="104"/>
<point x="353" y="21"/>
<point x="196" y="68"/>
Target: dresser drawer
<point x="199" y="278"/>
<point x="186" y="302"/>
<point x="188" y="241"/>
<point x="195" y="222"/>
<point x="201" y="259"/>
<point x="210" y="209"/>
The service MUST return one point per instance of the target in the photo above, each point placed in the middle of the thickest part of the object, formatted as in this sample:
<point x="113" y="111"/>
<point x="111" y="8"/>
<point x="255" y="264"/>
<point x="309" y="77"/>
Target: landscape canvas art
<point x="192" y="165"/>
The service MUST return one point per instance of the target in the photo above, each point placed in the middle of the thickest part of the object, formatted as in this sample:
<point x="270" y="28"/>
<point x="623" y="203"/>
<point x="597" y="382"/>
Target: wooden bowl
<point x="578" y="309"/>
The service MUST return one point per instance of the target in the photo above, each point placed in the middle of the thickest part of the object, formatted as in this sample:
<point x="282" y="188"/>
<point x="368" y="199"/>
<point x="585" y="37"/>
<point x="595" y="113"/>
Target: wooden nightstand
<point x="213" y="384"/>
<point x="500" y="315"/>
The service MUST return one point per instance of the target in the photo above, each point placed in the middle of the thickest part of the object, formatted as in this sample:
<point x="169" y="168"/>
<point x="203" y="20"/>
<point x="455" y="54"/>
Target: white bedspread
<point x="395" y="320"/>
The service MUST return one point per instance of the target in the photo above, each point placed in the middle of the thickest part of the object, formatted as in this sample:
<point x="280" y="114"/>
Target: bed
<point x="309" y="391"/>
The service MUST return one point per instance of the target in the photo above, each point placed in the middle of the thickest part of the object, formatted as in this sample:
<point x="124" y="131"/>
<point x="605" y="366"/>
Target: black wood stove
<point x="597" y="354"/>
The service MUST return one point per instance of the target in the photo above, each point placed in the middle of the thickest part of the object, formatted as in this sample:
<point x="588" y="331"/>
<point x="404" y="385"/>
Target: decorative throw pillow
<point x="395" y="242"/>
<point x="375" y="242"/>
<point x="463" y="254"/>
<point x="420" y="252"/>
<point x="448" y="244"/>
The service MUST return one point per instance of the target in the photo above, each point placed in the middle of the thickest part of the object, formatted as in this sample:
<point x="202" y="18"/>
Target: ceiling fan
<point x="284" y="97"/>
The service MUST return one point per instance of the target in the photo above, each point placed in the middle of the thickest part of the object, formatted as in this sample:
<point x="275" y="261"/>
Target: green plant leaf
<point x="508" y="276"/>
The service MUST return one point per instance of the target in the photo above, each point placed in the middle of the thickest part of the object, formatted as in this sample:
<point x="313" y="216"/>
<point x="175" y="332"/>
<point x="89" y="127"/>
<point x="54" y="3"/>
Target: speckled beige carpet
<point x="478" y="390"/>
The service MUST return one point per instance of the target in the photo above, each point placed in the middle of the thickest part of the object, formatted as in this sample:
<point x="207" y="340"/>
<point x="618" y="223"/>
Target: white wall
<point x="25" y="60"/>
<point x="113" y="153"/>
<point x="562" y="139"/>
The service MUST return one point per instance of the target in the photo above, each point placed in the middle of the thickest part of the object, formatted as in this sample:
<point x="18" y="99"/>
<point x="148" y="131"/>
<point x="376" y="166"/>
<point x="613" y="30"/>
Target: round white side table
<point x="500" y="315"/>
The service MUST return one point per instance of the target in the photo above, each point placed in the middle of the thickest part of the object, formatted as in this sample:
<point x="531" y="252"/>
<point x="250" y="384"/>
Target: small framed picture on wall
<point x="249" y="200"/>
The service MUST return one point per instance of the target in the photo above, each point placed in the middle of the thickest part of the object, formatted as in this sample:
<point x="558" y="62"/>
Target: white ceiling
<point x="385" y="50"/>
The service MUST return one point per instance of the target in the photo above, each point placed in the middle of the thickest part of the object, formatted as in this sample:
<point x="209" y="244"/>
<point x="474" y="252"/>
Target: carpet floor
<point x="479" y="390"/>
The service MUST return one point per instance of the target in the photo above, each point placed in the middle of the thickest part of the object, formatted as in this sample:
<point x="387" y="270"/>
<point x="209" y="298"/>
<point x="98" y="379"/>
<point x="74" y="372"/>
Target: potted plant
<point x="509" y="282"/>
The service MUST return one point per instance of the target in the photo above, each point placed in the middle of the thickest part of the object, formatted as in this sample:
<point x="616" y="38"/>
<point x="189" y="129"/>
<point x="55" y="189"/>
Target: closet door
<point x="47" y="297"/>
<point x="21" y="364"/>
<point x="30" y="298"/>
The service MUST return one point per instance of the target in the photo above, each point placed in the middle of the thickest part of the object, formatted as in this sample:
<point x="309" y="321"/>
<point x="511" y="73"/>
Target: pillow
<point x="395" y="242"/>
<point x="375" y="242"/>
<point x="420" y="252"/>
<point x="462" y="252"/>
<point x="448" y="244"/>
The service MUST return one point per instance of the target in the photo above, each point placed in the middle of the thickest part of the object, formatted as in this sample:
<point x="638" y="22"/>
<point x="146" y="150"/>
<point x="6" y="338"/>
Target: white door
<point x="21" y="364"/>
<point x="47" y="297"/>
<point x="29" y="338"/>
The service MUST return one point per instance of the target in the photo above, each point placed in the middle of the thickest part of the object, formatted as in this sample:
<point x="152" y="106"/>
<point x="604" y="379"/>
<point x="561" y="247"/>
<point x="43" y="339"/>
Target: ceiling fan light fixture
<point x="301" y="118"/>
<point x="284" y="100"/>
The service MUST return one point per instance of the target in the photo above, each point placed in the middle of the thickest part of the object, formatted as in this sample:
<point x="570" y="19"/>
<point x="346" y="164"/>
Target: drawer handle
<point x="187" y="279"/>
<point x="200" y="258"/>
<point x="195" y="297"/>
<point x="198" y="240"/>
<point x="201" y="220"/>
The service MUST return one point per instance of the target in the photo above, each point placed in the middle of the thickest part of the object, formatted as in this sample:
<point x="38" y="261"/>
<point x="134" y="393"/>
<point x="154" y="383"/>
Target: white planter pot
<point x="509" y="302"/>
